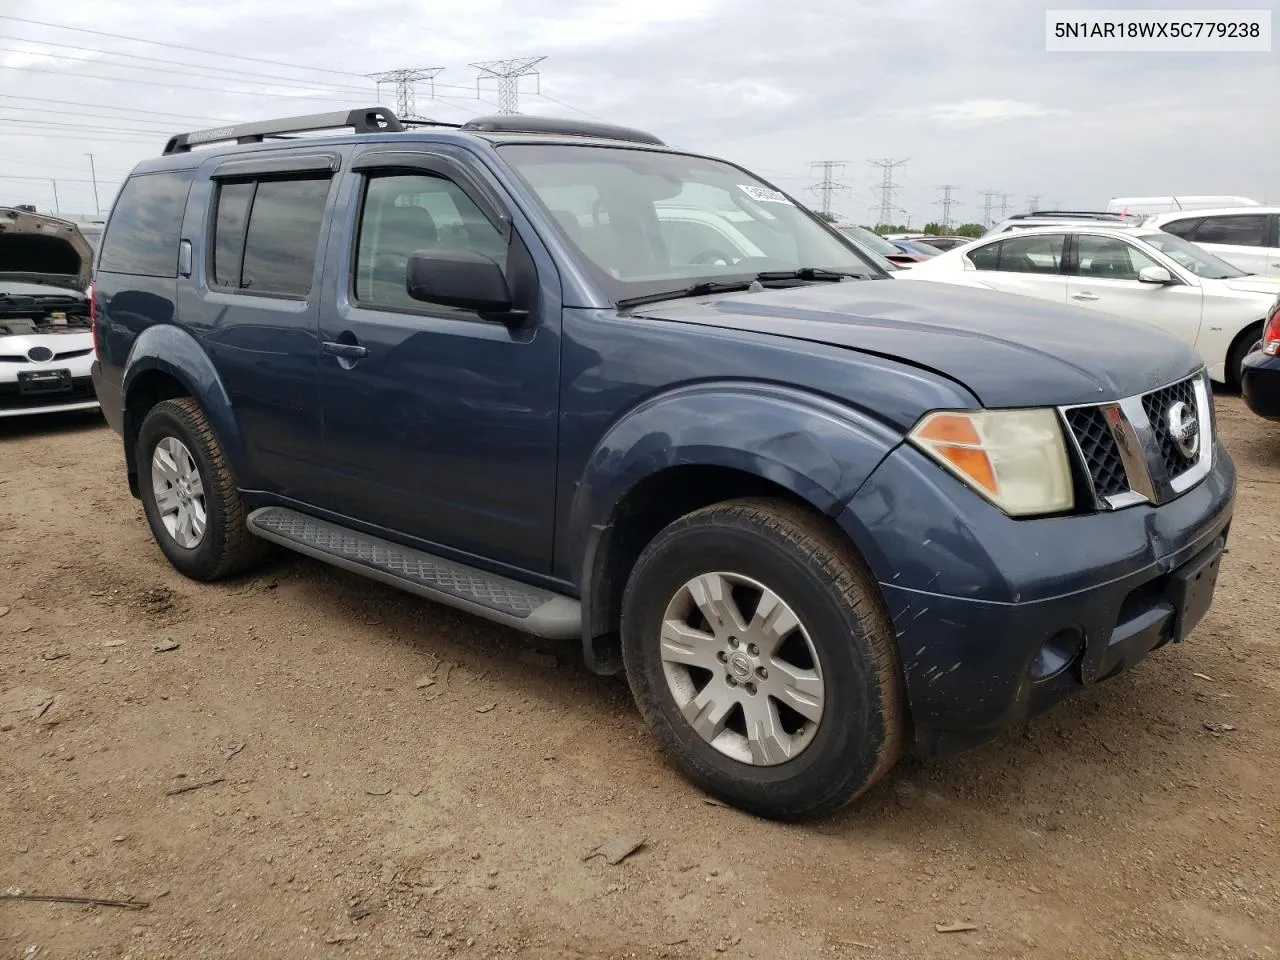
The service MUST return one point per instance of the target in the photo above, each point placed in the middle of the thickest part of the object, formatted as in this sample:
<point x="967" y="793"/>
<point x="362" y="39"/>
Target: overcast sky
<point x="961" y="89"/>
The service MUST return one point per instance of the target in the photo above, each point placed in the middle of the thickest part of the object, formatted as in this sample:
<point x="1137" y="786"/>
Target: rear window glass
<point x="146" y="225"/>
<point x="284" y="231"/>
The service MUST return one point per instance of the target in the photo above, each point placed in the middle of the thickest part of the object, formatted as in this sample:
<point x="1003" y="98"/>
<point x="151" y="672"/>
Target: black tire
<point x="1239" y="350"/>
<point x="226" y="547"/>
<point x="809" y="565"/>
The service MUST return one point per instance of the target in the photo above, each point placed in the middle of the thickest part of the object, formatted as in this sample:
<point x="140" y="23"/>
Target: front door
<point x="1104" y="277"/>
<point x="439" y="424"/>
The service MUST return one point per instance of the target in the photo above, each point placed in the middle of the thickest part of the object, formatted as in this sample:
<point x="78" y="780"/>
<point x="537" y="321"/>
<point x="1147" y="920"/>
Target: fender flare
<point x="171" y="350"/>
<point x="819" y="450"/>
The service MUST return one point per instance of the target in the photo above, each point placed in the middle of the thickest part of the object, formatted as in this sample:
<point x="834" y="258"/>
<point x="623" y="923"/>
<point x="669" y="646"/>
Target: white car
<point x="46" y="343"/>
<point x="1133" y="273"/>
<point x="1244" y="237"/>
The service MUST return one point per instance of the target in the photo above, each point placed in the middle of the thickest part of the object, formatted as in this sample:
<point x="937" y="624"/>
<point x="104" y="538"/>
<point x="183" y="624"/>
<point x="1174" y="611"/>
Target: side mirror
<point x="458" y="278"/>
<point x="1155" y="275"/>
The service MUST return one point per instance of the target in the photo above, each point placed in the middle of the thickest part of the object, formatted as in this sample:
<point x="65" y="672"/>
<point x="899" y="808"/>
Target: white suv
<point x="1132" y="273"/>
<point x="1245" y="237"/>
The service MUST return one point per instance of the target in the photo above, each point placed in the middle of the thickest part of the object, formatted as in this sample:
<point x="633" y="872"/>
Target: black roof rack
<point x="1081" y="214"/>
<point x="362" y="120"/>
<point x="517" y="123"/>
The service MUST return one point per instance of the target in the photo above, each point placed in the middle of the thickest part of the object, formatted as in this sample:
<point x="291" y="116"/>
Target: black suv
<point x="587" y="385"/>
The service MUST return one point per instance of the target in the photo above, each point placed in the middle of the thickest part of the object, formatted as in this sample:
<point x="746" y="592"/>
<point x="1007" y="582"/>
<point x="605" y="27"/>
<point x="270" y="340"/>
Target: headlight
<point x="1017" y="459"/>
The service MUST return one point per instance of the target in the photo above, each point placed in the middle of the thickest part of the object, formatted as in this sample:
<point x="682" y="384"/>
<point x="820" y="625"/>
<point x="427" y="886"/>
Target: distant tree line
<point x="930" y="229"/>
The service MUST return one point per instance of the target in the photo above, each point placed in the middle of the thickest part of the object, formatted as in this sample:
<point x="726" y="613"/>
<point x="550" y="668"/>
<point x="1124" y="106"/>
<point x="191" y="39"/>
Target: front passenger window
<point x="1109" y="258"/>
<point x="405" y="213"/>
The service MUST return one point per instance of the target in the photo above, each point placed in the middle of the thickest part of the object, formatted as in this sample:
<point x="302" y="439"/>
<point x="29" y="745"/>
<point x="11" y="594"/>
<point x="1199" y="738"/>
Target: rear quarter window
<point x="146" y="225"/>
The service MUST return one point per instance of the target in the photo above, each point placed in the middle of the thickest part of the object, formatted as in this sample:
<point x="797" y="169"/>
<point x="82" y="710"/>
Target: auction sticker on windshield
<point x="763" y="195"/>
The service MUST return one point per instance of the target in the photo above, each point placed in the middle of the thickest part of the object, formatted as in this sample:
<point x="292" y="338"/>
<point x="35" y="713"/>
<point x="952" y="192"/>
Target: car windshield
<point x="872" y="241"/>
<point x="1187" y="255"/>
<point x="651" y="223"/>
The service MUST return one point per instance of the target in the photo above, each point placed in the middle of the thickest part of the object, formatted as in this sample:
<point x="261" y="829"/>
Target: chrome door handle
<point x="1084" y="296"/>
<point x="347" y="351"/>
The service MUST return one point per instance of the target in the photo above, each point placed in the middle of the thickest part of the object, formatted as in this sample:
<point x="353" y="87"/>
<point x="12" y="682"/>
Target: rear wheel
<point x="193" y="507"/>
<point x="759" y="652"/>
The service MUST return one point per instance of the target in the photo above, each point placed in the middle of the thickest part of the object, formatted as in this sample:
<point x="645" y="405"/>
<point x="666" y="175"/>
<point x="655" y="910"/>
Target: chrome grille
<point x="1156" y="406"/>
<point x="1098" y="449"/>
<point x="1129" y="450"/>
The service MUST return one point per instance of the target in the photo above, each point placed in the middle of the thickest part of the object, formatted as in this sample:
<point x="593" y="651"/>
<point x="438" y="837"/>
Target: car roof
<point x="1210" y="212"/>
<point x="377" y="125"/>
<point x="1070" y="226"/>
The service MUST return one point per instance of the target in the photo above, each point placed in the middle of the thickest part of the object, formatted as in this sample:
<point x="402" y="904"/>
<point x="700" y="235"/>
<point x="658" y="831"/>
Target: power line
<point x="570" y="106"/>
<point x="828" y="186"/>
<point x="508" y="74"/>
<point x="406" y="81"/>
<point x="253" y="75"/>
<point x="177" y="46"/>
<point x="180" y="86"/>
<point x="134" y="111"/>
<point x="887" y="189"/>
<point x="947" y="201"/>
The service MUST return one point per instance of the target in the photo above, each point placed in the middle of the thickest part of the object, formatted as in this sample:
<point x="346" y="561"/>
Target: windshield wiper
<point x="701" y="289"/>
<point x="806" y="273"/>
<point x="705" y="287"/>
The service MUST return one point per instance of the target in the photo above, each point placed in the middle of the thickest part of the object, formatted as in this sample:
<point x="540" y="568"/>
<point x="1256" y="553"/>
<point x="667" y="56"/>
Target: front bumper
<point x="998" y="619"/>
<point x="76" y="395"/>
<point x="1260" y="384"/>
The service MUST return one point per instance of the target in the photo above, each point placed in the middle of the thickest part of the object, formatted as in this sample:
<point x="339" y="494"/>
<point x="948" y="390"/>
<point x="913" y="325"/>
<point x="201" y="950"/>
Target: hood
<point x="1007" y="350"/>
<point x="1265" y="285"/>
<point x="43" y="250"/>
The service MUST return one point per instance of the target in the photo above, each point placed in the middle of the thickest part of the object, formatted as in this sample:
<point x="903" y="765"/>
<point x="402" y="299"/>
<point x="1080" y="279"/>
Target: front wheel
<point x="759" y="652"/>
<point x="190" y="498"/>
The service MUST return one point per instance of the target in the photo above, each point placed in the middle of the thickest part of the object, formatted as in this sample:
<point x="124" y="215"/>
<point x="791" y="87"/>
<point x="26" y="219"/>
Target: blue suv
<point x="589" y="386"/>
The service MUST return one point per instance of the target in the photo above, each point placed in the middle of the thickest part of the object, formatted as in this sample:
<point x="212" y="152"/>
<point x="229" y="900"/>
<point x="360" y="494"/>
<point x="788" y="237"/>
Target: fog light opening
<point x="1057" y="653"/>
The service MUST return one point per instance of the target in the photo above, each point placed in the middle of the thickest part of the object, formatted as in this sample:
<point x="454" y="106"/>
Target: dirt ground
<point x="396" y="779"/>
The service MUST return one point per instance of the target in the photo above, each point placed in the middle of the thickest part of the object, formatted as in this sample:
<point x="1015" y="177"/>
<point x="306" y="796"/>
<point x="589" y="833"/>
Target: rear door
<point x="1103" y="276"/>
<point x="1026" y="264"/>
<point x="1244" y="240"/>
<point x="252" y="298"/>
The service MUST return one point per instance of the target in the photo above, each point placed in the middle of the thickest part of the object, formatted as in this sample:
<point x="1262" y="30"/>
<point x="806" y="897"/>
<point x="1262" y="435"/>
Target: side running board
<point x="531" y="609"/>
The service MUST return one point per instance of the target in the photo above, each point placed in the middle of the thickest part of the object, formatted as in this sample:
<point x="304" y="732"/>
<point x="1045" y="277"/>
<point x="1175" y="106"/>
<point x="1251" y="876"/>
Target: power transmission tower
<point x="1004" y="205"/>
<point x="947" y="201"/>
<point x="405" y="81"/>
<point x="887" y="188"/>
<point x="987" y="197"/>
<point x="508" y="74"/>
<point x="1033" y="202"/>
<point x="828" y="186"/>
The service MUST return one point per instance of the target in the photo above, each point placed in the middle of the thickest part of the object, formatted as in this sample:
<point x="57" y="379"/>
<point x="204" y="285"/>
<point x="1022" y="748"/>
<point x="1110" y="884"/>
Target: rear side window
<point x="266" y="234"/>
<point x="1182" y="228"/>
<point x="146" y="225"/>
<point x="1243" y="231"/>
<point x="1040" y="253"/>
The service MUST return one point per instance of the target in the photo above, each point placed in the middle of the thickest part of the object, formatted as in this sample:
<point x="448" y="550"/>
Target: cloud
<point x="966" y="91"/>
<point x="971" y="112"/>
